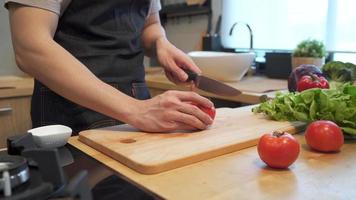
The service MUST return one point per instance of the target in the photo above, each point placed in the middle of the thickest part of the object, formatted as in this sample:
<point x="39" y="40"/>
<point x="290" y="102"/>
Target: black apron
<point x="105" y="36"/>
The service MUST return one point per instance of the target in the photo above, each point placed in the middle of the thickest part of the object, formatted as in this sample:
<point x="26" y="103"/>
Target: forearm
<point x="152" y="32"/>
<point x="62" y="73"/>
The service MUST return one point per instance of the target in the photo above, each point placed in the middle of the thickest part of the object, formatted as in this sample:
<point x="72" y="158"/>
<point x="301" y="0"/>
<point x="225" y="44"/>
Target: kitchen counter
<point x="242" y="175"/>
<point x="15" y="86"/>
<point x="252" y="87"/>
<point x="15" y="103"/>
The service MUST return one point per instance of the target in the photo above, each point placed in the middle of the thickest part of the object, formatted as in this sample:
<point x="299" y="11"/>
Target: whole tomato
<point x="324" y="136"/>
<point x="311" y="81"/>
<point x="278" y="149"/>
<point x="210" y="111"/>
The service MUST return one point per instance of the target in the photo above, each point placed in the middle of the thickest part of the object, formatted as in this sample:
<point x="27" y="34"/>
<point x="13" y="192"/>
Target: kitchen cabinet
<point x="15" y="104"/>
<point x="14" y="117"/>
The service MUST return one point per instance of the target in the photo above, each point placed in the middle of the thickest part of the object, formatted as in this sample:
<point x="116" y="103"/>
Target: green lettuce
<point x="337" y="105"/>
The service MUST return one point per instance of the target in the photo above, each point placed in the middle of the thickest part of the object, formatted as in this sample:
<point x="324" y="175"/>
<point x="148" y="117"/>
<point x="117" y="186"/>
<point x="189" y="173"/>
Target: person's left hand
<point x="174" y="61"/>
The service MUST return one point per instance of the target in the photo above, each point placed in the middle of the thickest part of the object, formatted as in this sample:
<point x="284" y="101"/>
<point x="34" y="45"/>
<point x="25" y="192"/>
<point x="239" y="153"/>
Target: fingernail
<point x="211" y="120"/>
<point x="184" y="76"/>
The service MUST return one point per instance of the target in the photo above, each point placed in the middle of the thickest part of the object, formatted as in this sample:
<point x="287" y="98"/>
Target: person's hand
<point x="174" y="61"/>
<point x="171" y="111"/>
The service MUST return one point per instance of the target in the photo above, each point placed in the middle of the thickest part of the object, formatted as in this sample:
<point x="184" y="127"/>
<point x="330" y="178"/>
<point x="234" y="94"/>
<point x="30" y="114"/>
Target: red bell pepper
<point x="312" y="81"/>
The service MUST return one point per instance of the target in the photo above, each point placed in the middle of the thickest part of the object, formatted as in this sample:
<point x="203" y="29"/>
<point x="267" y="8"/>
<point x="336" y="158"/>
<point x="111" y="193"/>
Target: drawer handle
<point x="5" y="110"/>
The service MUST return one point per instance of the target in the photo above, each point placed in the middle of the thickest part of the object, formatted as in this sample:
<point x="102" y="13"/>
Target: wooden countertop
<point x="15" y="86"/>
<point x="252" y="87"/>
<point x="242" y="175"/>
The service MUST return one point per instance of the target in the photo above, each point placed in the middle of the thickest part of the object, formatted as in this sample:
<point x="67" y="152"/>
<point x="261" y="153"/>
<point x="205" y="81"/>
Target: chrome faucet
<point x="249" y="28"/>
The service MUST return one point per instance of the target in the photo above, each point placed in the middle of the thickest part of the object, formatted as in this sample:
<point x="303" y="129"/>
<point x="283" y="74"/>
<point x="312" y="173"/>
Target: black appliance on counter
<point x="28" y="172"/>
<point x="62" y="173"/>
<point x="278" y="65"/>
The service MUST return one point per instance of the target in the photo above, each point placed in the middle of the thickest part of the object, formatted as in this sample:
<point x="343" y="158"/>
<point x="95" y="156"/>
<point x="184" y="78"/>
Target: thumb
<point x="189" y="64"/>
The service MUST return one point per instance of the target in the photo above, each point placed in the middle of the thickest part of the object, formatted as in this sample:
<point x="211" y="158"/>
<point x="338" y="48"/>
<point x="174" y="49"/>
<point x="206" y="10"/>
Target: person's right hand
<point x="171" y="111"/>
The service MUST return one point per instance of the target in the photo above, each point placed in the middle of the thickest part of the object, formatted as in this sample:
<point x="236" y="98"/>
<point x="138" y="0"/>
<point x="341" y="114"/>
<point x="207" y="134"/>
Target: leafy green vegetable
<point x="310" y="48"/>
<point x="338" y="105"/>
<point x="339" y="71"/>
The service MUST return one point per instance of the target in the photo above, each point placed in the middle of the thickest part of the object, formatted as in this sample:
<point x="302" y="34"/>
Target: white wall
<point x="7" y="61"/>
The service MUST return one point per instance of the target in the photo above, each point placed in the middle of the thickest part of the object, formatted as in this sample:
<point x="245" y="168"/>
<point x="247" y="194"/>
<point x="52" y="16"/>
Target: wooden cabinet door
<point x="14" y="117"/>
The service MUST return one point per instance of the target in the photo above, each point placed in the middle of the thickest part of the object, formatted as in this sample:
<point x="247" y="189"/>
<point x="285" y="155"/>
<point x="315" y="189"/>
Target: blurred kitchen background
<point x="277" y="26"/>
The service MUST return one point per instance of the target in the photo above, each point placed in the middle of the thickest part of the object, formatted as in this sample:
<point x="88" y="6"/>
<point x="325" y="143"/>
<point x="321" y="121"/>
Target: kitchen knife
<point x="211" y="85"/>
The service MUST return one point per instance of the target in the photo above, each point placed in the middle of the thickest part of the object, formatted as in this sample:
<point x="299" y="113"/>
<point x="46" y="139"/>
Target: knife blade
<point x="210" y="85"/>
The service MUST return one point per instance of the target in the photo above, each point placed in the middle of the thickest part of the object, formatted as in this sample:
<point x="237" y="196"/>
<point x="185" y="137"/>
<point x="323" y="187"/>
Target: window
<point x="281" y="24"/>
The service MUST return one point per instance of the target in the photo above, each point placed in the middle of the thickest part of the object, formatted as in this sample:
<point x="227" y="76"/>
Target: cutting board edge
<point x="105" y="150"/>
<point x="156" y="168"/>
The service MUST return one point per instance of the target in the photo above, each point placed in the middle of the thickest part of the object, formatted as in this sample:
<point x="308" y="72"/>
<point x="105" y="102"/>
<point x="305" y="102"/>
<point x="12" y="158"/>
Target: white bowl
<point x="223" y="66"/>
<point x="51" y="136"/>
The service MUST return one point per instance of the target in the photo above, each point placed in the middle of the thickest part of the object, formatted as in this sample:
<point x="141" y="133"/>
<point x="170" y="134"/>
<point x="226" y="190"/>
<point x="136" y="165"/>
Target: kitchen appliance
<point x="29" y="172"/>
<point x="211" y="85"/>
<point x="13" y="172"/>
<point x="278" y="65"/>
<point x="150" y="153"/>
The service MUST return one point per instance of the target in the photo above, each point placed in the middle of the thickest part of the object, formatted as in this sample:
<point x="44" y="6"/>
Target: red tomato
<point x="324" y="136"/>
<point x="312" y="81"/>
<point x="210" y="111"/>
<point x="278" y="149"/>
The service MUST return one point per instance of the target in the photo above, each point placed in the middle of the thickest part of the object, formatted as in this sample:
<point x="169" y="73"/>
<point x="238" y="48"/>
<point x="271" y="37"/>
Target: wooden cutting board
<point x="259" y="84"/>
<point x="148" y="153"/>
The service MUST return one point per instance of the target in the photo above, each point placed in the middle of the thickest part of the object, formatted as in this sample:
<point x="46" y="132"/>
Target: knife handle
<point x="192" y="76"/>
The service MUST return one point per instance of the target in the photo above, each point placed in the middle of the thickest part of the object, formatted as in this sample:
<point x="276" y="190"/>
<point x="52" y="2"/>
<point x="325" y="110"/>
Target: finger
<point x="181" y="126"/>
<point x="172" y="122"/>
<point x="195" y="98"/>
<point x="195" y="111"/>
<point x="177" y="72"/>
<point x="171" y="78"/>
<point x="176" y="126"/>
<point x="188" y="120"/>
<point x="187" y="63"/>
